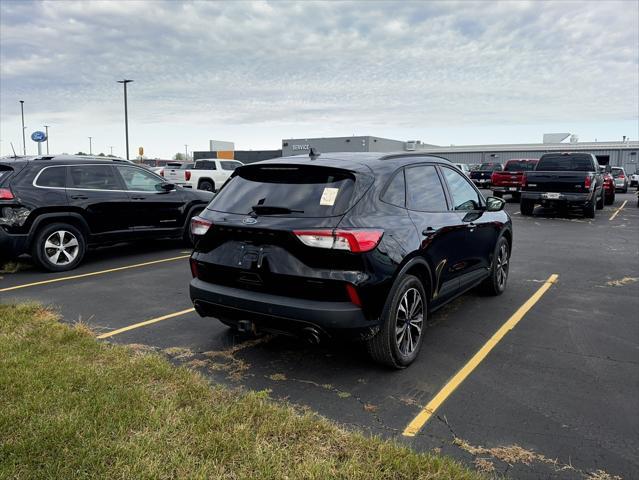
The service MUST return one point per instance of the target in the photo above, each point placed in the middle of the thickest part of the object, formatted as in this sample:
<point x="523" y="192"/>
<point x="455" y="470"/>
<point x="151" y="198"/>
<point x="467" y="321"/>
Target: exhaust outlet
<point x="311" y="335"/>
<point x="245" y="326"/>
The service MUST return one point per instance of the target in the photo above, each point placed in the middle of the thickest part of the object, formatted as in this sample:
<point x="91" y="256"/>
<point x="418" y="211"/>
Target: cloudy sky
<point x="257" y="72"/>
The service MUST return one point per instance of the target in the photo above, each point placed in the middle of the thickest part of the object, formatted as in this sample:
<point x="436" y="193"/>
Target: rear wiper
<point x="272" y="210"/>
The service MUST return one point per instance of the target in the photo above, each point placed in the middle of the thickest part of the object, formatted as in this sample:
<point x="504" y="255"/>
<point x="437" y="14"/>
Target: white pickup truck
<point x="210" y="173"/>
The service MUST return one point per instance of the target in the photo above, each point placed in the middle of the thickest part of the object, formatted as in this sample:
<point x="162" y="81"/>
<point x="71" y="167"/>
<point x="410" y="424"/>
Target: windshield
<point x="567" y="163"/>
<point x="520" y="166"/>
<point x="488" y="167"/>
<point x="304" y="191"/>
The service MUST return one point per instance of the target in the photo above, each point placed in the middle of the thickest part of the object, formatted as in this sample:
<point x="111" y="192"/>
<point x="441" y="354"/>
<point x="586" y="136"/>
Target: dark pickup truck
<point x="564" y="180"/>
<point x="481" y="177"/>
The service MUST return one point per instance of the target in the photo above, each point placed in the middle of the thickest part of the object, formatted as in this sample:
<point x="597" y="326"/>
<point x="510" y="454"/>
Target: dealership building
<point x="622" y="153"/>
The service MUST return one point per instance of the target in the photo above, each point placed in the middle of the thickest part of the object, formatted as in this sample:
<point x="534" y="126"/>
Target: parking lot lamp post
<point x="90" y="146"/>
<point x="186" y="153"/>
<point x="24" y="140"/>
<point x="46" y="131"/>
<point x="126" y="117"/>
<point x="111" y="147"/>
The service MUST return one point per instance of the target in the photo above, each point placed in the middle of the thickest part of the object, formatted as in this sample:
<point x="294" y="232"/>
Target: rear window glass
<point x="616" y="172"/>
<point x="4" y="172"/>
<point x="519" y="166"/>
<point x="94" y="177"/>
<point x="52" y="177"/>
<point x="306" y="191"/>
<point x="395" y="193"/>
<point x="568" y="163"/>
<point x="205" y="165"/>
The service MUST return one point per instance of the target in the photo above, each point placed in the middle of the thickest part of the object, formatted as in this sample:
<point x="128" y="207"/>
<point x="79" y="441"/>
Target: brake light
<point x="622" y="176"/>
<point x="187" y="175"/>
<point x="524" y="181"/>
<point x="199" y="226"/>
<point x="588" y="182"/>
<point x="356" y="241"/>
<point x="162" y="173"/>
<point x="353" y="295"/>
<point x="193" y="264"/>
<point x="6" y="194"/>
<point x="493" y="177"/>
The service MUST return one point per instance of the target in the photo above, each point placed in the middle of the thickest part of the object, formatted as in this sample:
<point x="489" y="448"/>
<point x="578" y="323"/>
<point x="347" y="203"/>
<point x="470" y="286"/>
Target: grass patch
<point x="14" y="267"/>
<point x="71" y="407"/>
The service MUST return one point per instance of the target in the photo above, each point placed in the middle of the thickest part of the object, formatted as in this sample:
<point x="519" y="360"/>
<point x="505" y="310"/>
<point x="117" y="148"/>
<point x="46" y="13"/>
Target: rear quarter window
<point x="306" y="191"/>
<point x="55" y="177"/>
<point x="205" y="165"/>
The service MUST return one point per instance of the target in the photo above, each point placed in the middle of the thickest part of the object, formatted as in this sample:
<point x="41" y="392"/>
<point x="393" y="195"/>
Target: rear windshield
<point x="488" y="167"/>
<point x="306" y="191"/>
<point x="519" y="166"/>
<point x="5" y="171"/>
<point x="615" y="172"/>
<point x="568" y="163"/>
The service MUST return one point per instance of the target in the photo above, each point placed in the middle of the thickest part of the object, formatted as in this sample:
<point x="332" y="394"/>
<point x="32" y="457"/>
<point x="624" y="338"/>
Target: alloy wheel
<point x="502" y="266"/>
<point x="409" y="321"/>
<point x="61" y="247"/>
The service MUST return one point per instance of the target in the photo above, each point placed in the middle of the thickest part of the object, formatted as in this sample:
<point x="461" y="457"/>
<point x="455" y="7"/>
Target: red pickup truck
<point x="509" y="180"/>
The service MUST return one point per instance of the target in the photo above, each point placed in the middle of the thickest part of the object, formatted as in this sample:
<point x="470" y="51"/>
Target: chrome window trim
<point x="34" y="182"/>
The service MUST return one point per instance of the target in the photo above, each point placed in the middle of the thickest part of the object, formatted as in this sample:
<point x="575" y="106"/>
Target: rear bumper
<point x="12" y="245"/>
<point x="506" y="189"/>
<point x="481" y="182"/>
<point x="277" y="313"/>
<point x="564" y="198"/>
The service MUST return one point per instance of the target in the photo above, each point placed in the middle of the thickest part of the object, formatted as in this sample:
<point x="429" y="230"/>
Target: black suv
<point x="360" y="244"/>
<point x="54" y="207"/>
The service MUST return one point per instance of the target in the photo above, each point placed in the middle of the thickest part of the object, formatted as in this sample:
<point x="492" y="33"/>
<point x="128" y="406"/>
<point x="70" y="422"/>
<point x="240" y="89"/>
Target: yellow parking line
<point x="422" y="417"/>
<point x="147" y="322"/>
<point x="612" y="217"/>
<point x="83" y="275"/>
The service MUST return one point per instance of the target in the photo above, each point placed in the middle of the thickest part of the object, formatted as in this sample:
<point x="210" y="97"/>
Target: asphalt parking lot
<point x="557" y="397"/>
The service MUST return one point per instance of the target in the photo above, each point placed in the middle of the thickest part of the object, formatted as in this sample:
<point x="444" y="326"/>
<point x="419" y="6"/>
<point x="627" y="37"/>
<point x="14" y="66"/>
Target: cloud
<point x="348" y="64"/>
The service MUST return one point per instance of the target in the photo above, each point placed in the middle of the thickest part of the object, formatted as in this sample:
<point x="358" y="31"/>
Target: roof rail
<point x="392" y="156"/>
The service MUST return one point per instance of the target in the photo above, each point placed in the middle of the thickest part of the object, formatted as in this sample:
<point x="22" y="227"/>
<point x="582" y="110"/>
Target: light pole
<point x="126" y="116"/>
<point x="111" y="147"/>
<point x="46" y="131"/>
<point x="24" y="140"/>
<point x="90" y="146"/>
<point x="186" y="153"/>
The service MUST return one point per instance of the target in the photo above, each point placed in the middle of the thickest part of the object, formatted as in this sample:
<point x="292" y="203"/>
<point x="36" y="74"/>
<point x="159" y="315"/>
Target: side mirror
<point x="165" y="187"/>
<point x="494" y="204"/>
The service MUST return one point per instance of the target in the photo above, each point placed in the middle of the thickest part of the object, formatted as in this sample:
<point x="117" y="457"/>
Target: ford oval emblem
<point x="249" y="221"/>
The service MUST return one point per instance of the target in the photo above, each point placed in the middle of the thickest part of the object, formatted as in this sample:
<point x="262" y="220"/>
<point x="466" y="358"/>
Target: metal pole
<point x="90" y="146"/>
<point x="24" y="140"/>
<point x="46" y="130"/>
<point x="111" y="147"/>
<point x="186" y="153"/>
<point x="126" y="116"/>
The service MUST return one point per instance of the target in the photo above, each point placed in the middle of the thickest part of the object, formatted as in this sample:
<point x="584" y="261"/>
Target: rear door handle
<point x="471" y="226"/>
<point x="429" y="231"/>
<point x="79" y="197"/>
<point x="138" y="198"/>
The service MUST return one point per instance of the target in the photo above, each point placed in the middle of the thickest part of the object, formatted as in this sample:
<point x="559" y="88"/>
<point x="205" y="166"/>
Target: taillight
<point x="199" y="225"/>
<point x="6" y="194"/>
<point x="493" y="176"/>
<point x="187" y="175"/>
<point x="524" y="181"/>
<point x="356" y="241"/>
<point x="193" y="264"/>
<point x="588" y="182"/>
<point x="622" y="176"/>
<point x="353" y="295"/>
<point x="162" y="173"/>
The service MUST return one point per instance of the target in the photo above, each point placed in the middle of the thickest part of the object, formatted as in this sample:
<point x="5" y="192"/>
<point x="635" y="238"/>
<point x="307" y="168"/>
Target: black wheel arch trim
<point x="62" y="217"/>
<point x="412" y="262"/>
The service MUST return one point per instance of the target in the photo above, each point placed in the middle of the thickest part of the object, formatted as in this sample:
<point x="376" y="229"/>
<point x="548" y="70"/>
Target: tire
<point x="496" y="282"/>
<point x="48" y="255"/>
<point x="516" y="196"/>
<point x="527" y="207"/>
<point x="589" y="209"/>
<point x="625" y="190"/>
<point x="600" y="201"/>
<point x="207" y="185"/>
<point x="610" y="199"/>
<point x="385" y="347"/>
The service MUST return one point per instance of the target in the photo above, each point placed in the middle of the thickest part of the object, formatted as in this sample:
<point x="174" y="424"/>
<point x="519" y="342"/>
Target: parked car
<point x="564" y="180"/>
<point x="56" y="207"/>
<point x="174" y="172"/>
<point x="621" y="180"/>
<point x="634" y="179"/>
<point x="358" y="244"/>
<point x="609" y="187"/>
<point x="509" y="180"/>
<point x="482" y="176"/>
<point x="464" y="168"/>
<point x="210" y="173"/>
